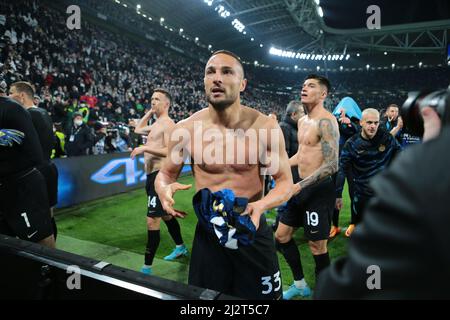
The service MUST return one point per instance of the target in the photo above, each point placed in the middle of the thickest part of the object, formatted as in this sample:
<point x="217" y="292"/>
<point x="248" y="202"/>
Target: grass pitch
<point x="114" y="230"/>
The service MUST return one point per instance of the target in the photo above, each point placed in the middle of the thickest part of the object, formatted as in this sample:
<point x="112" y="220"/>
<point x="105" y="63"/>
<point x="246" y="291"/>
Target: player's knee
<point x="318" y="247"/>
<point x="282" y="237"/>
<point x="153" y="223"/>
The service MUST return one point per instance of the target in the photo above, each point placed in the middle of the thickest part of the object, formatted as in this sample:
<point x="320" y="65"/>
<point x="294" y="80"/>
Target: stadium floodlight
<point x="347" y="57"/>
<point x="320" y="11"/>
<point x="125" y="5"/>
<point x="341" y="57"/>
<point x="420" y="64"/>
<point x="209" y="47"/>
<point x="150" y="18"/>
<point x="358" y="54"/>
<point x="238" y="25"/>
<point x="252" y="39"/>
<point x="317" y="2"/>
<point x="196" y="39"/>
<point x="341" y="68"/>
<point x="261" y="45"/>
<point x="367" y="66"/>
<point x="138" y="7"/>
<point x="162" y="19"/>
<point x="317" y="68"/>
<point x="181" y="30"/>
<point x="385" y="53"/>
<point x="295" y="67"/>
<point x="393" y="65"/>
<point x="117" y="1"/>
<point x="245" y="32"/>
<point x="256" y="62"/>
<point x="224" y="13"/>
<point x="144" y="15"/>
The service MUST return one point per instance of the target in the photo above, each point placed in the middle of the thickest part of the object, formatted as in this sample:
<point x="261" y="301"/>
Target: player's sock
<point x="336" y="217"/>
<point x="153" y="238"/>
<point x="301" y="284"/>
<point x="174" y="229"/>
<point x="322" y="261"/>
<point x="290" y="252"/>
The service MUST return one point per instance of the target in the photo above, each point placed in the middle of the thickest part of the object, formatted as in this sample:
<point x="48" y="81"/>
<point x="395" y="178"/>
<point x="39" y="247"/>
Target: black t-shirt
<point x="18" y="157"/>
<point x="44" y="128"/>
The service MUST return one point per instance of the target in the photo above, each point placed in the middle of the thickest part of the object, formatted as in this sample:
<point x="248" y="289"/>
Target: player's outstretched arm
<point x="165" y="183"/>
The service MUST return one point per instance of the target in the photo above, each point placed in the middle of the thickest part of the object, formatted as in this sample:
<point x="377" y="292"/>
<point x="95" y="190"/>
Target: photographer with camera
<point x="117" y="141"/>
<point x="404" y="237"/>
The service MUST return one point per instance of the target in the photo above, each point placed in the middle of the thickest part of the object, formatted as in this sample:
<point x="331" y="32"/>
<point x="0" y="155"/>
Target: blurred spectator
<point x="79" y="137"/>
<point x="99" y="139"/>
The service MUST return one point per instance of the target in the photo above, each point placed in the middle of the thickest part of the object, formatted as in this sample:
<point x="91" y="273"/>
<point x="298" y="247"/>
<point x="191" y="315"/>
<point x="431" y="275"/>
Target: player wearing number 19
<point x="312" y="206"/>
<point x="155" y="150"/>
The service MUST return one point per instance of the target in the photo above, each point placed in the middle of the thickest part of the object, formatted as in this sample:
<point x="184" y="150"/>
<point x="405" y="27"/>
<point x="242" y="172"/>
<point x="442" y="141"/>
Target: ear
<point x="243" y="85"/>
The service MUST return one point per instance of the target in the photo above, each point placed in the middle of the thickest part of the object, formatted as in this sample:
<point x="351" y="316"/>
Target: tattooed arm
<point x="329" y="140"/>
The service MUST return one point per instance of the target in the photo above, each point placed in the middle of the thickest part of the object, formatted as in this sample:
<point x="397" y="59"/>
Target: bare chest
<point x="308" y="134"/>
<point x="226" y="151"/>
<point x="156" y="135"/>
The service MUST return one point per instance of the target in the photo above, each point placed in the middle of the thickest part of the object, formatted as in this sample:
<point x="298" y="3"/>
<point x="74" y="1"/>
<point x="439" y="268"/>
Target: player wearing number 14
<point x="155" y="150"/>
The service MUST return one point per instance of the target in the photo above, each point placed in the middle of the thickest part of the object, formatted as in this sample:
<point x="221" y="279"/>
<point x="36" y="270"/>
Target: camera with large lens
<point x="417" y="100"/>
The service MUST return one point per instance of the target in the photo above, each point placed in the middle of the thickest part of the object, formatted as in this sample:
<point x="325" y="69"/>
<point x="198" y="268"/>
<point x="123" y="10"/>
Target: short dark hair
<point x="164" y="92"/>
<point x="231" y="54"/>
<point x="321" y="79"/>
<point x="25" y="87"/>
<point x="392" y="105"/>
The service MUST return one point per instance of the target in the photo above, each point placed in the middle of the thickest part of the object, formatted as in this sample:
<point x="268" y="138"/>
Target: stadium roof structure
<point x="330" y="32"/>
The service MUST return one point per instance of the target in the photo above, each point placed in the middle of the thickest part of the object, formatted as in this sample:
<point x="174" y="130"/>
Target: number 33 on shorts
<point x="270" y="282"/>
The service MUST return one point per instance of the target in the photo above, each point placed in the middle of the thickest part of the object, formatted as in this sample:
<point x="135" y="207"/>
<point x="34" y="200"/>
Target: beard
<point x="221" y="103"/>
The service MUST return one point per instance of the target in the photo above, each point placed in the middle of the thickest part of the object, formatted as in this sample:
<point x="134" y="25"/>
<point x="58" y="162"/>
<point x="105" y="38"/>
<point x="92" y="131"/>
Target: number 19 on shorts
<point x="312" y="218"/>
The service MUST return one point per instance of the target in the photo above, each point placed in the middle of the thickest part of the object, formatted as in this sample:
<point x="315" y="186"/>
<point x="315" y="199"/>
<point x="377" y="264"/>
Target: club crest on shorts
<point x="381" y="148"/>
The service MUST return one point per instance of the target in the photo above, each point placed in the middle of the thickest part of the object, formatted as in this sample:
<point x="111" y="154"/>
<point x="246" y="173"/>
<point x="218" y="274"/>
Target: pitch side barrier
<point x="31" y="271"/>
<point x="87" y="178"/>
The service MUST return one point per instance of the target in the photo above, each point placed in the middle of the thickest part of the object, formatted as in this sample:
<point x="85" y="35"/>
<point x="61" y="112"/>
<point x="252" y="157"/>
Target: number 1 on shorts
<point x="24" y="215"/>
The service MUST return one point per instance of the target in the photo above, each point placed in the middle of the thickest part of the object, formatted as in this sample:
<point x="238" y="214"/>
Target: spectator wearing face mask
<point x="79" y="137"/>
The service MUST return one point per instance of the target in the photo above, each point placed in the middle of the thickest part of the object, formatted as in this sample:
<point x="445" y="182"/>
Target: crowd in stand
<point x="109" y="78"/>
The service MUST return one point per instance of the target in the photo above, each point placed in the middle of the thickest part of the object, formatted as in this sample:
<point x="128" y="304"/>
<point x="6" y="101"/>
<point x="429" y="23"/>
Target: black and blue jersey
<point x="364" y="158"/>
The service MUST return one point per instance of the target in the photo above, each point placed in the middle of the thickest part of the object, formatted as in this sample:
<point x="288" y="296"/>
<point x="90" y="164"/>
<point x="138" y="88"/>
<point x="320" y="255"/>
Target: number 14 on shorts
<point x="269" y="282"/>
<point x="151" y="201"/>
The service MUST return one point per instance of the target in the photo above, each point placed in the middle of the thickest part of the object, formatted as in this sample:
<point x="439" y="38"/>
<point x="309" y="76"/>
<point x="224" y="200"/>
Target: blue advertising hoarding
<point x="88" y="178"/>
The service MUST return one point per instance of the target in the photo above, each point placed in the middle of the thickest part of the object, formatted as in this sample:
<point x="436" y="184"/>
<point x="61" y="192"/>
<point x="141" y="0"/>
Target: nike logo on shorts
<point x="29" y="236"/>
